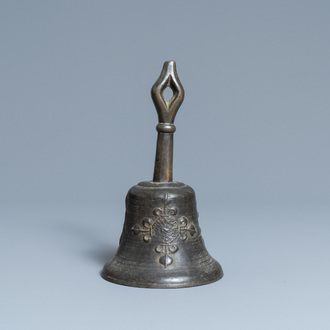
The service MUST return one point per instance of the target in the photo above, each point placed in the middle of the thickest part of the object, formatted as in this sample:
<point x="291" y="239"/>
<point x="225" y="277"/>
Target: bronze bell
<point x="161" y="244"/>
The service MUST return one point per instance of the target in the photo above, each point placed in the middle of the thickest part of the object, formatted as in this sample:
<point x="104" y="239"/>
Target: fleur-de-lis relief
<point x="145" y="229"/>
<point x="186" y="229"/>
<point x="165" y="250"/>
<point x="166" y="227"/>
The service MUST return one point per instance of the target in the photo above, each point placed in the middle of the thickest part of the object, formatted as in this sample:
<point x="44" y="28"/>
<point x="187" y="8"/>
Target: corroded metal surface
<point x="161" y="244"/>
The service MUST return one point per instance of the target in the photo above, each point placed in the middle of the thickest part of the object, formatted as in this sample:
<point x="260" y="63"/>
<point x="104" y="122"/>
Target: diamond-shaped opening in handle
<point x="168" y="94"/>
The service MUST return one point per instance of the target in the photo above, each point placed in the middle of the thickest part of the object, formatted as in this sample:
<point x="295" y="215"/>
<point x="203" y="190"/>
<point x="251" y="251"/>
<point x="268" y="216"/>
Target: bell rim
<point x="197" y="277"/>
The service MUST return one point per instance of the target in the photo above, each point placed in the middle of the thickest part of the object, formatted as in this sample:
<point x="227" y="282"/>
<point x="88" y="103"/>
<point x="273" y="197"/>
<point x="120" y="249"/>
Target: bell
<point x="161" y="244"/>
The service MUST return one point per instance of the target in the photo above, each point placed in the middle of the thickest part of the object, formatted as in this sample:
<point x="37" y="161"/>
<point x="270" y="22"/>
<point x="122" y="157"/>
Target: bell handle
<point x="166" y="110"/>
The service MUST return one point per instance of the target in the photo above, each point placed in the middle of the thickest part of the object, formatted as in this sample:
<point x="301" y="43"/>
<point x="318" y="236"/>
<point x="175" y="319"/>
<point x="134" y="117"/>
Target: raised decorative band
<point x="166" y="128"/>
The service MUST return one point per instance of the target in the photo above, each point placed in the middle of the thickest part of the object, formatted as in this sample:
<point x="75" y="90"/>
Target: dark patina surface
<point x="161" y="244"/>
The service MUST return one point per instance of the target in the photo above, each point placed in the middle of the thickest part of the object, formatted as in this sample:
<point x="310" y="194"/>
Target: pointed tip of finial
<point x="170" y="66"/>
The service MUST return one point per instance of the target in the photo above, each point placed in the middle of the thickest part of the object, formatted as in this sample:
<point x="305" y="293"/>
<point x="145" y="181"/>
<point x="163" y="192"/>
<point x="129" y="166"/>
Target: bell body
<point x="161" y="244"/>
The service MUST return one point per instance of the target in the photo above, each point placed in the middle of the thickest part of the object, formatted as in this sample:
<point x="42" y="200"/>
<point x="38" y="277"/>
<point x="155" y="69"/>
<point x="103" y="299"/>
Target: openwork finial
<point x="167" y="109"/>
<point x="166" y="114"/>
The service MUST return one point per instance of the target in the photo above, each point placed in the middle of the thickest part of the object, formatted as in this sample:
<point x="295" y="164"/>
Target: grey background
<point x="77" y="131"/>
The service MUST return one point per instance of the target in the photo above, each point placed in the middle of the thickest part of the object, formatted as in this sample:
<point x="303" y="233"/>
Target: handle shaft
<point x="164" y="158"/>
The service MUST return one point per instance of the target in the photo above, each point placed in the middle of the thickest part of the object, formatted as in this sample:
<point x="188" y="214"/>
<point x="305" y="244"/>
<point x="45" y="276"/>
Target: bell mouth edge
<point x="163" y="283"/>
